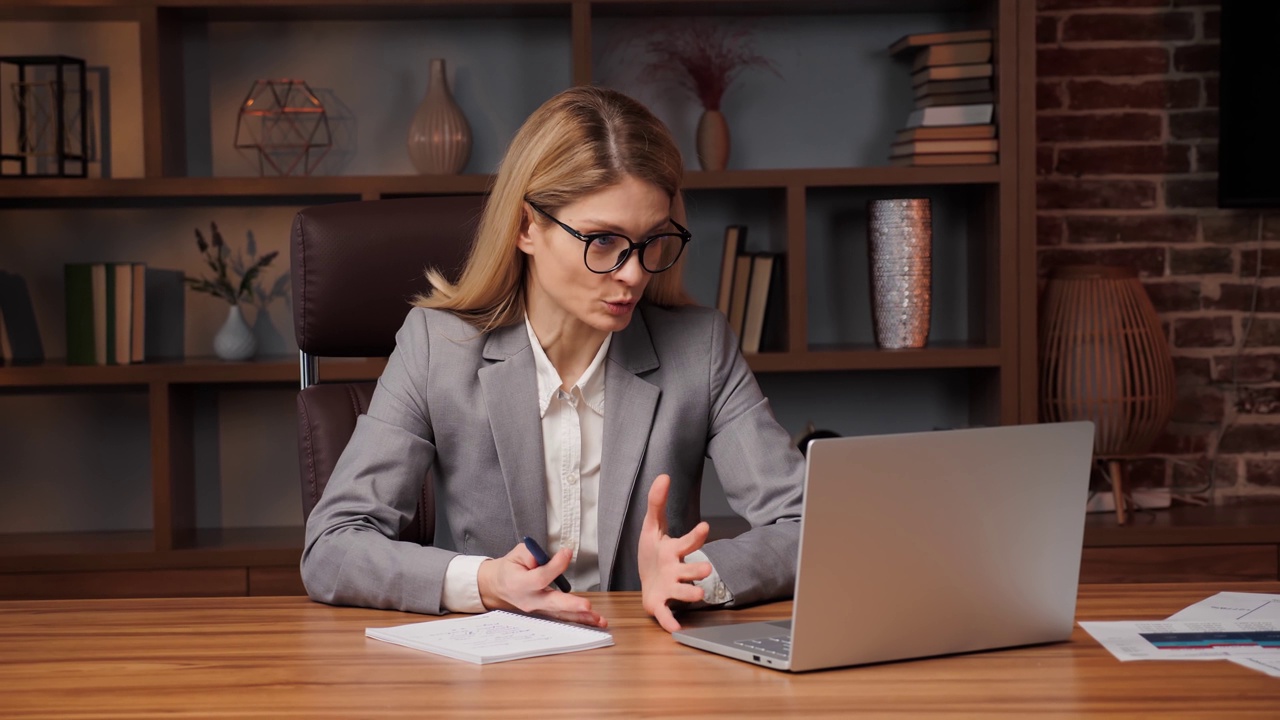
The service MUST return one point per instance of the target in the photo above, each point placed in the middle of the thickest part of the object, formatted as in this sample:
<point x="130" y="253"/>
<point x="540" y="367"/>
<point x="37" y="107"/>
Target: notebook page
<point x="494" y="636"/>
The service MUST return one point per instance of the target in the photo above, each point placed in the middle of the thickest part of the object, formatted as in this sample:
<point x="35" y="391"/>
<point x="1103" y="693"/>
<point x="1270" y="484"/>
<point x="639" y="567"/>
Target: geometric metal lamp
<point x="286" y="124"/>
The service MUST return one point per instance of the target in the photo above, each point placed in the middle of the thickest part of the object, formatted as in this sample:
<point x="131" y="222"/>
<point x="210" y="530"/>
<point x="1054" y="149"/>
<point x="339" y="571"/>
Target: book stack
<point x="953" y="122"/>
<point x="752" y="293"/>
<point x="106" y="311"/>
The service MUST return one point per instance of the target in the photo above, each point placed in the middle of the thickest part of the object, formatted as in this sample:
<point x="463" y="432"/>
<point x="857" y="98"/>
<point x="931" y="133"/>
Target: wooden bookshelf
<point x="999" y="201"/>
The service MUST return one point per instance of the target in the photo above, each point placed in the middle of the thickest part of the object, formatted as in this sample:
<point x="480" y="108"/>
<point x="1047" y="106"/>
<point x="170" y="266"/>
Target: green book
<point x="79" y="290"/>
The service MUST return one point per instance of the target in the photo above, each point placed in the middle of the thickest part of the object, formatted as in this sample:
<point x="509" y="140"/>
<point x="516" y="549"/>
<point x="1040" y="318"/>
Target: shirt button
<point x="573" y="478"/>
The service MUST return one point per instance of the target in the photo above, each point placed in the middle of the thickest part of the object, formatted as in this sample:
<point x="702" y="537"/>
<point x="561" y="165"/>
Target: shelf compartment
<point x="804" y="115"/>
<point x="963" y="308"/>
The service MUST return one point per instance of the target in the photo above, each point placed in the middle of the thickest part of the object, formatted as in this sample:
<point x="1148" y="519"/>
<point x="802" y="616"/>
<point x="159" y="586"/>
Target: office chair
<point x="355" y="266"/>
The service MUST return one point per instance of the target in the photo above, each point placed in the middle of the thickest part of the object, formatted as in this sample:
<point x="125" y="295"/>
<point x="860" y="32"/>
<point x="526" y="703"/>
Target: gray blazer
<point x="464" y="406"/>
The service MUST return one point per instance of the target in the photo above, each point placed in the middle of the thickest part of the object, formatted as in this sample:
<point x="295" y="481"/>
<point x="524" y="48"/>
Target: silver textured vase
<point x="439" y="136"/>
<point x="900" y="243"/>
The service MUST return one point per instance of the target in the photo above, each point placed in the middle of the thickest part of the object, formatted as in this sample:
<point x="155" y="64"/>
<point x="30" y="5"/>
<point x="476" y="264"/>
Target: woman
<point x="564" y="389"/>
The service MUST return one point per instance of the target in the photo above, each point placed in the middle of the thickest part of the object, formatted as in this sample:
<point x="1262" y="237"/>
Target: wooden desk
<point x="277" y="657"/>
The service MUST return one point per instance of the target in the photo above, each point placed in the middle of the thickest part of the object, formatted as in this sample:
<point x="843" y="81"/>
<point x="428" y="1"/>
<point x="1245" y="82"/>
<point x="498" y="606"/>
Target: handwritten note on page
<point x="495" y="636"/>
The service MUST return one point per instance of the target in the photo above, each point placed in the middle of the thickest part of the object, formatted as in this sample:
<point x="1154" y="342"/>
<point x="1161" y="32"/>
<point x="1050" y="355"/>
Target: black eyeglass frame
<point x="632" y="246"/>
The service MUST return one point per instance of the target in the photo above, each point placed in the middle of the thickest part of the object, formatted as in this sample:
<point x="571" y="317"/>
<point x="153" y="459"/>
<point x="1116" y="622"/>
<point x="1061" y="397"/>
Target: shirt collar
<point x="590" y="386"/>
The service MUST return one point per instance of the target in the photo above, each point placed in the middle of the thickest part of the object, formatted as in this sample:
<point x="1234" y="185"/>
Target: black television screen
<point x="1249" y="126"/>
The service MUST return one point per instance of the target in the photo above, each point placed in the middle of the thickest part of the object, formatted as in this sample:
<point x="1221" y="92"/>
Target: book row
<point x="752" y="293"/>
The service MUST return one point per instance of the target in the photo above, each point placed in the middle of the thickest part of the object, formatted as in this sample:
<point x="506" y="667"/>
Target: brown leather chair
<point x="355" y="266"/>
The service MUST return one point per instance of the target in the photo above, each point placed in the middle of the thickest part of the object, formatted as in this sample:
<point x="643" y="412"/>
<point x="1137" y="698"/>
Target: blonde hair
<point x="578" y="142"/>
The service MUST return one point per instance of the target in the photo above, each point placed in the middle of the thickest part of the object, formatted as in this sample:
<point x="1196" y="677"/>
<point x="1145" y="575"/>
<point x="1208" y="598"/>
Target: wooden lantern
<point x="1104" y="357"/>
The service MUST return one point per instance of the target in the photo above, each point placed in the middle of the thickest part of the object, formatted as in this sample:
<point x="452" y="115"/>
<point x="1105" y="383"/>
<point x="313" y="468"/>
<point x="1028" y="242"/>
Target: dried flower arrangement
<point x="224" y="265"/>
<point x="701" y="57"/>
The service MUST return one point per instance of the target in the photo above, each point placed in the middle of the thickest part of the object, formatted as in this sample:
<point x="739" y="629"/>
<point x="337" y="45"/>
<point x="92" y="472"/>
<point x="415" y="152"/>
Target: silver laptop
<point x="926" y="544"/>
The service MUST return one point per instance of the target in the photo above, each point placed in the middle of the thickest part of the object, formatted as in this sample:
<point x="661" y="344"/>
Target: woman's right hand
<point x="515" y="582"/>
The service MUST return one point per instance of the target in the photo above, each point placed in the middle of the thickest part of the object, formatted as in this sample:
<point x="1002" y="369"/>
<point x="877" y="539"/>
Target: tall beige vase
<point x="713" y="140"/>
<point x="439" y="136"/>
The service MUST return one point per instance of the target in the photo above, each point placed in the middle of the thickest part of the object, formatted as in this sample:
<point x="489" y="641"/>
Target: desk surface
<point x="278" y="657"/>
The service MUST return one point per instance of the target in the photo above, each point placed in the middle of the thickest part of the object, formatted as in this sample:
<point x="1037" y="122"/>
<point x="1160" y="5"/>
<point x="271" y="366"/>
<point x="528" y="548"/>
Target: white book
<point x="495" y="636"/>
<point x="977" y="114"/>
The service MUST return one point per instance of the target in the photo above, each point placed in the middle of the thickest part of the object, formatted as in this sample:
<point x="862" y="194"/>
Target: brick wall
<point x="1127" y="98"/>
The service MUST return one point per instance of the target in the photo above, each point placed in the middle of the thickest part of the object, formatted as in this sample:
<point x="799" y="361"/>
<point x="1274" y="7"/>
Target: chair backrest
<point x="355" y="267"/>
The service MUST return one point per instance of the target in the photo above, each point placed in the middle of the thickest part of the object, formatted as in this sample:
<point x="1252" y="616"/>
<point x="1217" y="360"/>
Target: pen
<point x="540" y="557"/>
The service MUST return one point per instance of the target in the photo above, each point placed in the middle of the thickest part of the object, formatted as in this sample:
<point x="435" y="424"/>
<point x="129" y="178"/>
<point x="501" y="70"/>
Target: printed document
<point x="495" y="636"/>
<point x="1233" y="606"/>
<point x="1195" y="640"/>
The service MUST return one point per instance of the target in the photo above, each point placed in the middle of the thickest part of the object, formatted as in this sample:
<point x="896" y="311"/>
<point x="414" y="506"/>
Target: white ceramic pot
<point x="235" y="340"/>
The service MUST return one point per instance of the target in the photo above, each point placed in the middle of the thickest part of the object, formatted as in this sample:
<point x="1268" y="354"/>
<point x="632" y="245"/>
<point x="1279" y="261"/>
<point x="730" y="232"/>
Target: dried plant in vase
<point x="703" y="58"/>
<point x="235" y="340"/>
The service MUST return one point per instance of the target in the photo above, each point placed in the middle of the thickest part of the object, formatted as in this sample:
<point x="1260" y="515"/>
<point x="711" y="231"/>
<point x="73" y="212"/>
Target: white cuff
<point x="714" y="591"/>
<point x="462" y="585"/>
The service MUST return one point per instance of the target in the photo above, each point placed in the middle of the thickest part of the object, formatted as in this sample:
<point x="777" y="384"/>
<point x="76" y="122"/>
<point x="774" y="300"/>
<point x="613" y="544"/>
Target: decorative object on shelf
<point x="45" y="121"/>
<point x="712" y="140"/>
<point x="900" y="245"/>
<point x="286" y="124"/>
<point x="439" y="136"/>
<point x="1104" y="357"/>
<point x="236" y="340"/>
<point x="703" y="58"/>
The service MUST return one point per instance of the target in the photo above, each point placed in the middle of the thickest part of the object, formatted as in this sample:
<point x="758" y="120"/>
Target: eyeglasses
<point x="606" y="252"/>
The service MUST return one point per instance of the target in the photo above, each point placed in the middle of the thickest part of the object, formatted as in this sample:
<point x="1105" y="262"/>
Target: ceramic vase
<point x="439" y="136"/>
<point x="713" y="140"/>
<point x="900" y="244"/>
<point x="235" y="340"/>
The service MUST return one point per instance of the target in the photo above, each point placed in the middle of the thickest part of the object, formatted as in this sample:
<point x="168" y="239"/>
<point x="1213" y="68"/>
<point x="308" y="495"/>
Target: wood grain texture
<point x="289" y="657"/>
<point x="279" y="580"/>
<point x="123" y="584"/>
<point x="1172" y="563"/>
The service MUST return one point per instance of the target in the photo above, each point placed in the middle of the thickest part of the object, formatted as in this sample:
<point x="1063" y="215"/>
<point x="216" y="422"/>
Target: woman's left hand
<point x="664" y="576"/>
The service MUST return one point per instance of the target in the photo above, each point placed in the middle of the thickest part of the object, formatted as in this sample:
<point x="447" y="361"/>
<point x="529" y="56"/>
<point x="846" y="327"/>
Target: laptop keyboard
<point x="778" y="646"/>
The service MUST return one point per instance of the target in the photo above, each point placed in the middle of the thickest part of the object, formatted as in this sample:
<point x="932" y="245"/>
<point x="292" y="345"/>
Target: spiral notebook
<point x="495" y="636"/>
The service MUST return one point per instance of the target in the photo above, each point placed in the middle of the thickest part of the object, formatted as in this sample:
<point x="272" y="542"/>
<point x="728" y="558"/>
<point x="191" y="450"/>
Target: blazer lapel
<point x="510" y="397"/>
<point x="630" y="405"/>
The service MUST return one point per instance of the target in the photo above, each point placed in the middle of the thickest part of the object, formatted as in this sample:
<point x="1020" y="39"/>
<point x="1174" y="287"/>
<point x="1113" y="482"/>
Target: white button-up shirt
<point x="572" y="435"/>
<point x="572" y="440"/>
